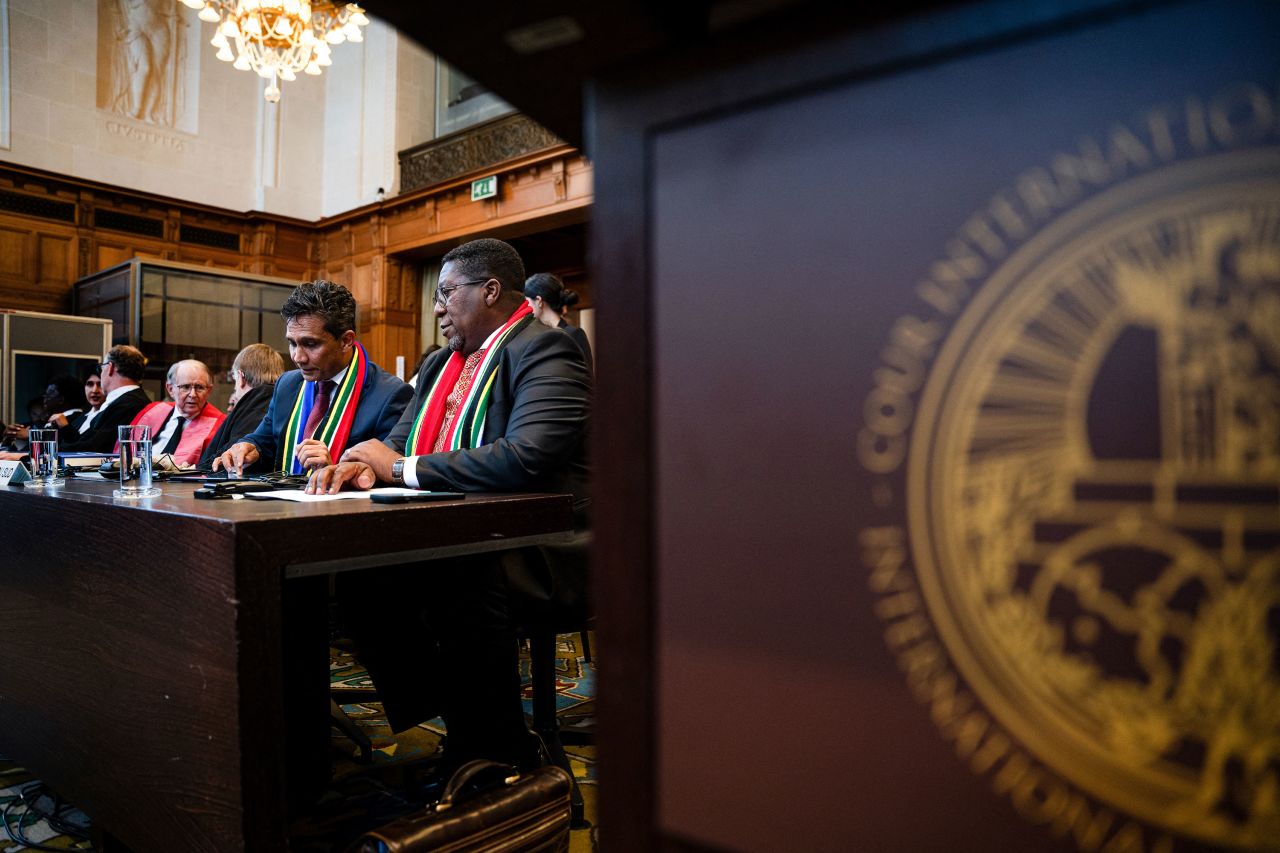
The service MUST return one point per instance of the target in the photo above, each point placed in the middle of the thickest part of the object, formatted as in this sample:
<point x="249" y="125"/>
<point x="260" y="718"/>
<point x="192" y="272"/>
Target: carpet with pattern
<point x="362" y="796"/>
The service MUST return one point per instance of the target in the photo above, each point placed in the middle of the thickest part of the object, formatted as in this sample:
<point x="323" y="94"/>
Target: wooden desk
<point x="154" y="651"/>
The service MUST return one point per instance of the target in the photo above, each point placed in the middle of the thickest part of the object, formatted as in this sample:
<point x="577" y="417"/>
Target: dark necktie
<point x="172" y="445"/>
<point x="324" y="391"/>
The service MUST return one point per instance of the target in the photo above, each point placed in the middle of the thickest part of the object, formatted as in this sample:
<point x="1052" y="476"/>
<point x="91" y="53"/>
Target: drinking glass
<point x="135" y="462"/>
<point x="44" y="457"/>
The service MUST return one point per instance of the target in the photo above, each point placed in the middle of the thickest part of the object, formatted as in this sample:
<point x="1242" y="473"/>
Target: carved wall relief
<point x="148" y="62"/>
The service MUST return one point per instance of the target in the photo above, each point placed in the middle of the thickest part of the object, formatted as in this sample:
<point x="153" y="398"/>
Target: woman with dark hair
<point x="550" y="301"/>
<point x="70" y="420"/>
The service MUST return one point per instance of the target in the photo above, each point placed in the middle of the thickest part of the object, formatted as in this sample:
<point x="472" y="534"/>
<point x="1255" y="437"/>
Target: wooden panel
<point x="188" y="681"/>
<point x="15" y="253"/>
<point x="109" y="255"/>
<point x="159" y="704"/>
<point x="362" y="238"/>
<point x="542" y="191"/>
<point x="361" y="284"/>
<point x="751" y="587"/>
<point x="462" y="214"/>
<point x="337" y="245"/>
<point x="56" y="260"/>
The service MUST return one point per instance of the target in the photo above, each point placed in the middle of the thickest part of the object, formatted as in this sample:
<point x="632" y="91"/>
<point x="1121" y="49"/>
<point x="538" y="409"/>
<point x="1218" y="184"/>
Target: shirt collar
<point x="112" y="396"/>
<point x="336" y="378"/>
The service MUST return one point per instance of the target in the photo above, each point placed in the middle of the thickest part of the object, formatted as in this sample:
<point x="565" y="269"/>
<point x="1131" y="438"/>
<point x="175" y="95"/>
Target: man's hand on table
<point x="237" y="458"/>
<point x="329" y="480"/>
<point x="376" y="455"/>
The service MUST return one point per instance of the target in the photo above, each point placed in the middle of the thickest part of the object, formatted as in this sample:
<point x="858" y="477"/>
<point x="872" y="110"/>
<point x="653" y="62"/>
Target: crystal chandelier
<point x="279" y="38"/>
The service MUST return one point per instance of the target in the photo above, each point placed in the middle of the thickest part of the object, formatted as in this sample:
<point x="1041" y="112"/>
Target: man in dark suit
<point x="254" y="373"/>
<point x="121" y="373"/>
<point x="336" y="398"/>
<point x="505" y="408"/>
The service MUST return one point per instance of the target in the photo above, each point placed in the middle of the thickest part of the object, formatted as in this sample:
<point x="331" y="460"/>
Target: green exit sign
<point x="484" y="188"/>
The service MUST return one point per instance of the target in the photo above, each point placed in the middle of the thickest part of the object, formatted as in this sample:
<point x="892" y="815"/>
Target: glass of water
<point x="44" y="457"/>
<point x="135" y="462"/>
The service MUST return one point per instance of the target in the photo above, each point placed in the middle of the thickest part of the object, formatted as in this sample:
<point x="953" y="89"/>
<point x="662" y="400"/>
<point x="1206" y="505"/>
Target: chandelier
<point x="279" y="38"/>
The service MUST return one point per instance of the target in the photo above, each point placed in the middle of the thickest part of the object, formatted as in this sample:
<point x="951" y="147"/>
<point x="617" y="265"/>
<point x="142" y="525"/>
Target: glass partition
<point x="173" y="311"/>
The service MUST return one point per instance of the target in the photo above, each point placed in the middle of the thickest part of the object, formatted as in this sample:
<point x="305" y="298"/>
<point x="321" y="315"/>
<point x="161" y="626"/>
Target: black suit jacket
<point x="101" y="437"/>
<point x="535" y="432"/>
<point x="580" y="338"/>
<point x="535" y="437"/>
<point x="240" y="421"/>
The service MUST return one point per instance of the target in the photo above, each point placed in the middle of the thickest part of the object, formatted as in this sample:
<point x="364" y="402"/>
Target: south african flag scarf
<point x="467" y="429"/>
<point x="335" y="429"/>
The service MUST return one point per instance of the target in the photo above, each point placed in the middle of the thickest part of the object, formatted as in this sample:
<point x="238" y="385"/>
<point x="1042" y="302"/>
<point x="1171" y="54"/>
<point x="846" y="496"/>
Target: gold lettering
<point x="980" y="232"/>
<point x="945" y="300"/>
<point x="1013" y="770"/>
<point x="968" y="733"/>
<point x="880" y="454"/>
<point x="1197" y="132"/>
<point x="906" y="631"/>
<point x="1161" y="134"/>
<point x="946" y="702"/>
<point x="1240" y="115"/>
<point x="1073" y="171"/>
<point x="893" y="606"/>
<point x="1039" y="797"/>
<point x="946" y="289"/>
<point x="1127" y="151"/>
<point x="886" y="412"/>
<point x="1007" y="217"/>
<point x="1038" y="192"/>
<point x="962" y="264"/>
<point x="995" y="747"/>
<point x="919" y="662"/>
<point x="916" y="336"/>
<point x="904" y="374"/>
<point x="883" y="552"/>
<point x="1089" y="830"/>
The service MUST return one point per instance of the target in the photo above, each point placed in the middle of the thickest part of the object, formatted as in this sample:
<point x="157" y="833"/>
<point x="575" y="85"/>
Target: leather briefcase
<point x="485" y="807"/>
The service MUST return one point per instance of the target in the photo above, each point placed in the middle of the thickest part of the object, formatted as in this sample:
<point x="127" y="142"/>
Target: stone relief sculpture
<point x="143" y="60"/>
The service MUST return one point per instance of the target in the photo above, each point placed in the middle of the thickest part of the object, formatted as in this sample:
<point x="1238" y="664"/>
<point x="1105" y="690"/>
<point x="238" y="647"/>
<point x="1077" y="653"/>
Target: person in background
<point x="413" y="380"/>
<point x="550" y="301"/>
<point x="183" y="428"/>
<point x="121" y="372"/>
<point x="254" y="372"/>
<point x="71" y="424"/>
<point x="62" y="398"/>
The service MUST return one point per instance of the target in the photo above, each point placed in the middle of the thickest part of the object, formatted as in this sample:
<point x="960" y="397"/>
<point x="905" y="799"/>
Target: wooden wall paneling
<point x="372" y="249"/>
<point x="457" y="212"/>
<point x="16" y="256"/>
<point x="361" y="284"/>
<point x="56" y="259"/>
<point x="412" y="224"/>
<point x="110" y="254"/>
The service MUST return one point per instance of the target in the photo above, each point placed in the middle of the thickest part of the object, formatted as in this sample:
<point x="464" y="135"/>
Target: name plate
<point x="12" y="473"/>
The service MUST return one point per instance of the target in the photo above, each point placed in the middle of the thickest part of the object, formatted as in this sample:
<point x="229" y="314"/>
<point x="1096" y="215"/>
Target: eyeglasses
<point x="197" y="388"/>
<point x="104" y="364"/>
<point x="443" y="293"/>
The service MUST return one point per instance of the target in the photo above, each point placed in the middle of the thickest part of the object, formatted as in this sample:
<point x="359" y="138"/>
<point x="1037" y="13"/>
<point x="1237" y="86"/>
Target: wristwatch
<point x="397" y="471"/>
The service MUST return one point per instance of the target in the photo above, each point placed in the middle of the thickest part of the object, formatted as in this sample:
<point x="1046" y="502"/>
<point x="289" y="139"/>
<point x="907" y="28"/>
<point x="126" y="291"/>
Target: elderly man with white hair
<point x="183" y="428"/>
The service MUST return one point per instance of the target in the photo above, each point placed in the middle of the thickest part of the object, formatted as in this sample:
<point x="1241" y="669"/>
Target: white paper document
<point x="302" y="497"/>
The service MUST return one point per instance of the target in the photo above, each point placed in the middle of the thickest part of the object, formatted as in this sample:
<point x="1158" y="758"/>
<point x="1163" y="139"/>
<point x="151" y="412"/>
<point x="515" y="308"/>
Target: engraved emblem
<point x="1092" y="496"/>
